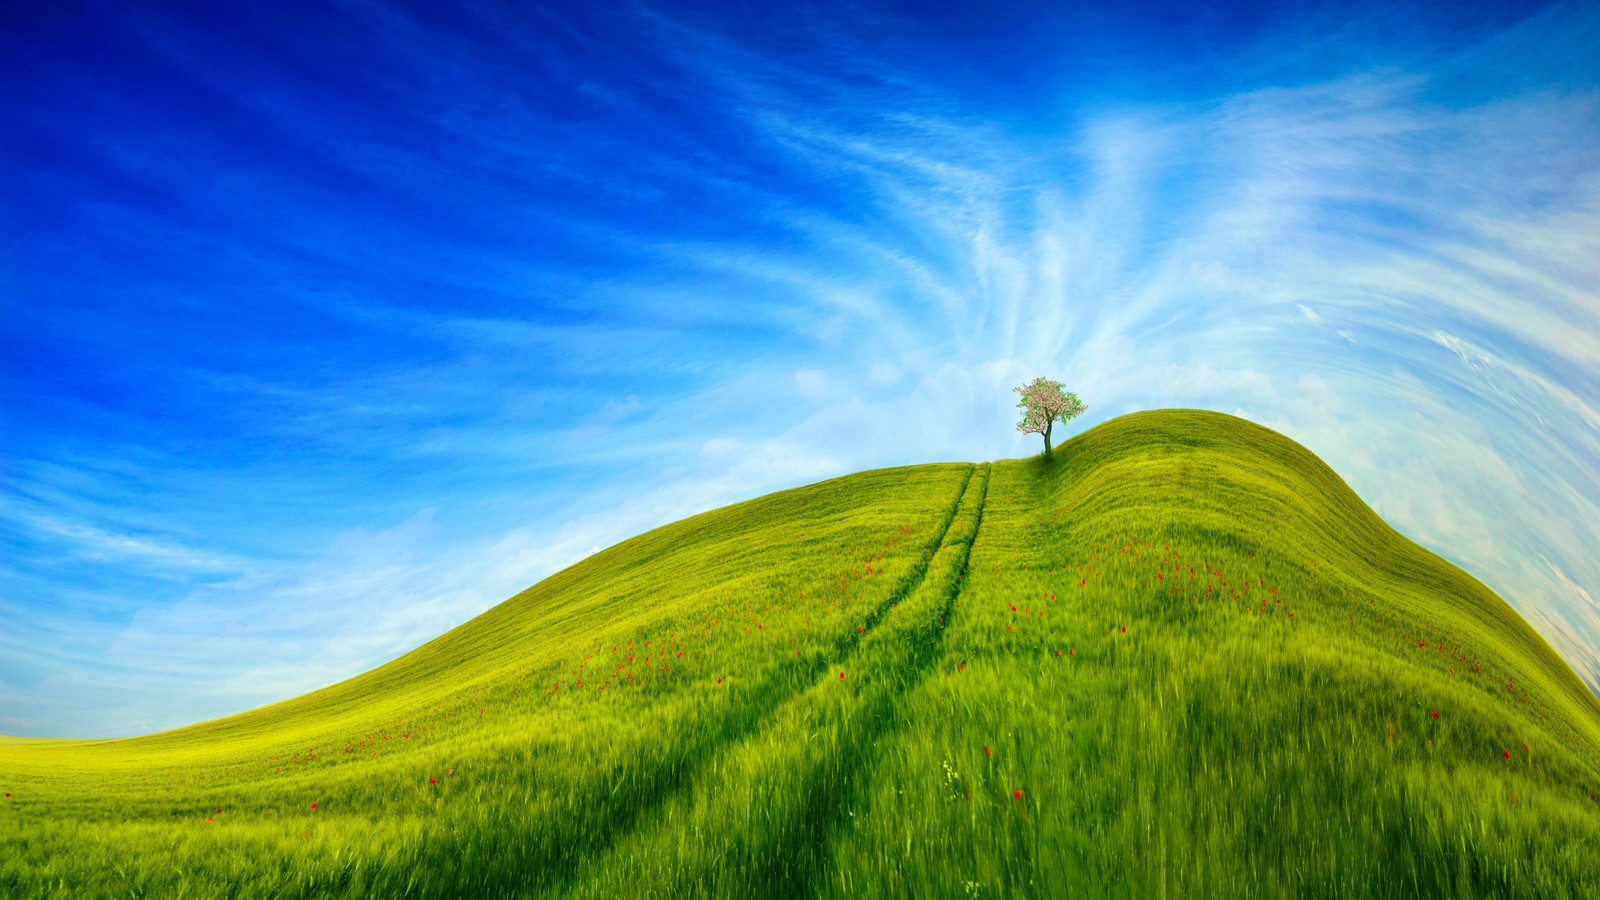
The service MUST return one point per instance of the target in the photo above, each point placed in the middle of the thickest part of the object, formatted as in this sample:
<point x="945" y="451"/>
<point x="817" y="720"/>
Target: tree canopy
<point x="1045" y="402"/>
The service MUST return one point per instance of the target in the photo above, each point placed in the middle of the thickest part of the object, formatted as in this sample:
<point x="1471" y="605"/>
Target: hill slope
<point x="1181" y="657"/>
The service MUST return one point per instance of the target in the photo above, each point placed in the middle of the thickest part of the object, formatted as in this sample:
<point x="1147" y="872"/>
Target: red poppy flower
<point x="986" y="752"/>
<point x="208" y="818"/>
<point x="841" y="676"/>
<point x="433" y="780"/>
<point x="313" y="806"/>
<point x="1508" y="754"/>
<point x="1436" y="714"/>
<point x="1124" y="629"/>
<point x="1072" y="652"/>
<point x="1017" y="793"/>
<point x="219" y="809"/>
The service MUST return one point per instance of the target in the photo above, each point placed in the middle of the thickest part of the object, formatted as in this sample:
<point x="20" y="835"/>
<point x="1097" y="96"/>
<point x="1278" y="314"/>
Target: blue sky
<point x="325" y="327"/>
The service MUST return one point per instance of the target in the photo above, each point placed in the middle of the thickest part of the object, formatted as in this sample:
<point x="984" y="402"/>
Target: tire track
<point x="621" y="809"/>
<point x="794" y="863"/>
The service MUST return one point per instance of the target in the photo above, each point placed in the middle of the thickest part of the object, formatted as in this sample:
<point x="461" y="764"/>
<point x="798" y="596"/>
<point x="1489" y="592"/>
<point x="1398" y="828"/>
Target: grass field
<point x="1180" y="659"/>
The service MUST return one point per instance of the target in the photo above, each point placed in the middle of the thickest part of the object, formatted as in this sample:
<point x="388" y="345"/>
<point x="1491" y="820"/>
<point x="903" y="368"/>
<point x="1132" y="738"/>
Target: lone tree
<point x="1044" y="403"/>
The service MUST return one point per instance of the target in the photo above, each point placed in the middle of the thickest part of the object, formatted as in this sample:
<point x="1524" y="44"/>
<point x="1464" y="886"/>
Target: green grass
<point x="1263" y="726"/>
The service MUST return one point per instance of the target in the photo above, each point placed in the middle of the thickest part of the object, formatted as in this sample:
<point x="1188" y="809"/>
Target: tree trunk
<point x="1047" y="428"/>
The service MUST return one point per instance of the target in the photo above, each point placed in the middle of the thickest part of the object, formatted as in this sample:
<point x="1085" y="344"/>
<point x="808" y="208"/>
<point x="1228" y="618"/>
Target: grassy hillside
<point x="1181" y="659"/>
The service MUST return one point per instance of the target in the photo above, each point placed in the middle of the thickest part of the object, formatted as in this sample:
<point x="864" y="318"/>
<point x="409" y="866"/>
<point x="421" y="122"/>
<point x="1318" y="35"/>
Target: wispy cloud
<point x="100" y="544"/>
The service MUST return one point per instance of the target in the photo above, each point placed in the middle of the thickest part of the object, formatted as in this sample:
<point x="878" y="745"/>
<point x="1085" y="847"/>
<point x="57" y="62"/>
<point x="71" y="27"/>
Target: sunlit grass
<point x="1182" y="658"/>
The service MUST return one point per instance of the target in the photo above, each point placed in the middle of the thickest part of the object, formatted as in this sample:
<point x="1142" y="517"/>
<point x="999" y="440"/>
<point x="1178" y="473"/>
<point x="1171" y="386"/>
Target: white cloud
<point x="883" y="374"/>
<point x="811" y="384"/>
<point x="157" y="551"/>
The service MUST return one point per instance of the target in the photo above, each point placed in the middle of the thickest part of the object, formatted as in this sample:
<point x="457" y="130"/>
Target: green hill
<point x="1180" y="659"/>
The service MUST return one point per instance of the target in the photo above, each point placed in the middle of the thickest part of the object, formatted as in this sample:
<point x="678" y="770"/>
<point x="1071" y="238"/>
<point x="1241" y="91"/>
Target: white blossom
<point x="1044" y="403"/>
